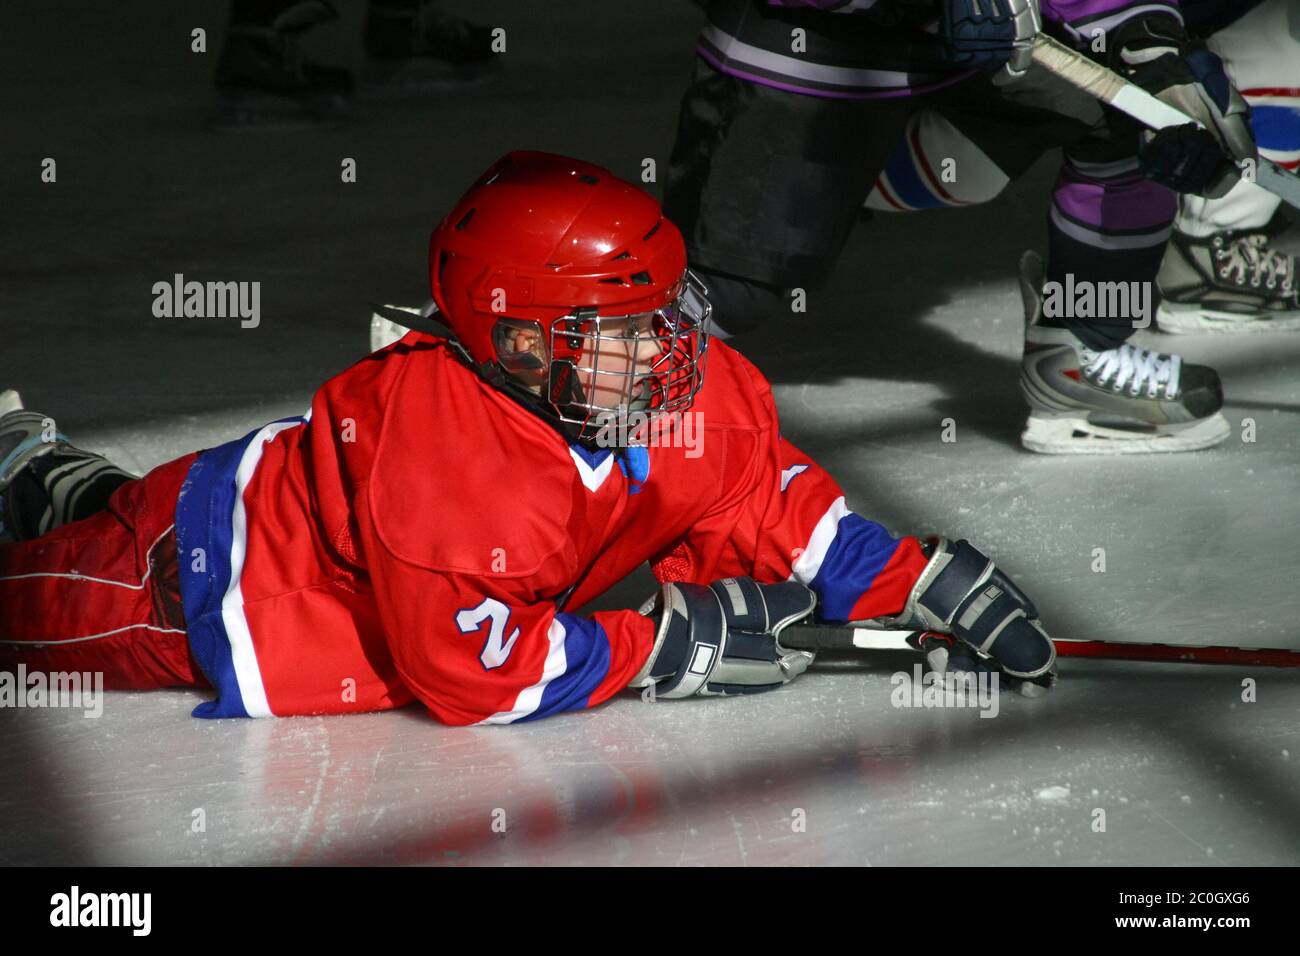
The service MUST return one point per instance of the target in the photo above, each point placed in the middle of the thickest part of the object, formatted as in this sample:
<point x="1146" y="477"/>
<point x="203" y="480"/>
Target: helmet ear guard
<point x="510" y="359"/>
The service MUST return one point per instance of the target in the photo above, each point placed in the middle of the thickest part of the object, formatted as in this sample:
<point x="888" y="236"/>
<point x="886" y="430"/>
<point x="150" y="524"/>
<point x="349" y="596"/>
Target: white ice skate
<point x="1227" y="282"/>
<point x="1121" y="401"/>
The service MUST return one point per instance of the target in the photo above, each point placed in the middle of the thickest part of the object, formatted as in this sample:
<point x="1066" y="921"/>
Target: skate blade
<point x="1196" y="320"/>
<point x="1077" y="436"/>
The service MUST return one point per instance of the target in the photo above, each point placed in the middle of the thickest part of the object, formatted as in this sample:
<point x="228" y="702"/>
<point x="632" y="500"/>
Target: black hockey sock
<point x="1102" y="296"/>
<point x="1098" y="337"/>
<point x="57" y="488"/>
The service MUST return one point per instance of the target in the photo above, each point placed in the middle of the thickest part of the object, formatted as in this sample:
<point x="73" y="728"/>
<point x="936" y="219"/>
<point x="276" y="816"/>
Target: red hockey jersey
<point x="418" y="535"/>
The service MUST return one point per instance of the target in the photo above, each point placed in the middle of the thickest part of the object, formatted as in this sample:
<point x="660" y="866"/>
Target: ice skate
<point x="413" y="49"/>
<point x="1120" y="401"/>
<point x="22" y="438"/>
<point x="45" y="481"/>
<point x="1232" y="281"/>
<point x="263" y="81"/>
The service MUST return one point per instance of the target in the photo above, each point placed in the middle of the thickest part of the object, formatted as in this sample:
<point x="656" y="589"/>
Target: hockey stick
<point x="829" y="637"/>
<point x="1109" y="87"/>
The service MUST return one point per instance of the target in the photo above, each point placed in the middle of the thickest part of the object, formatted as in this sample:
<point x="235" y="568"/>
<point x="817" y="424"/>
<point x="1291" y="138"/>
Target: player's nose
<point x="646" y="349"/>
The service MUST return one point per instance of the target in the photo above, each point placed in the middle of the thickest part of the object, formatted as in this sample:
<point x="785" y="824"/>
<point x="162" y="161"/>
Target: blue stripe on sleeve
<point x="586" y="664"/>
<point x="859" y="551"/>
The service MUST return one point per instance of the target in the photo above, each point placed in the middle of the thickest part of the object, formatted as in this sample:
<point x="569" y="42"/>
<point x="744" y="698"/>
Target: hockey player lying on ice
<point x="424" y="531"/>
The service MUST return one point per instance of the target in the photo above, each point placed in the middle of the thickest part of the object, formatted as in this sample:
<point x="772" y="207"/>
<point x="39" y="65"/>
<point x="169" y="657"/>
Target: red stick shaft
<point x="1112" y="650"/>
<point x="840" y="637"/>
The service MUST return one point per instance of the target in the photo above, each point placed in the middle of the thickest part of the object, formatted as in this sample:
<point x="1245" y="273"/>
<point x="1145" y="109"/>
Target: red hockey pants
<point x="102" y="594"/>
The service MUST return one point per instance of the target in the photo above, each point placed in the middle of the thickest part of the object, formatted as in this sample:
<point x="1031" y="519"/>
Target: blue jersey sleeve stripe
<point x="586" y="664"/>
<point x="858" y="553"/>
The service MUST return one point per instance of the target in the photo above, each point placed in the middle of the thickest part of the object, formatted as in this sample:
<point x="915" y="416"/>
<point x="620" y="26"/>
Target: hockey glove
<point x="1154" y="53"/>
<point x="962" y="592"/>
<point x="724" y="639"/>
<point x="990" y="33"/>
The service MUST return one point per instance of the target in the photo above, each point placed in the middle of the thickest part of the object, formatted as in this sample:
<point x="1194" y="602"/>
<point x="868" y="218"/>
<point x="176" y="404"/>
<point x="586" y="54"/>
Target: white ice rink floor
<point x="921" y="324"/>
<point x="1199" y="549"/>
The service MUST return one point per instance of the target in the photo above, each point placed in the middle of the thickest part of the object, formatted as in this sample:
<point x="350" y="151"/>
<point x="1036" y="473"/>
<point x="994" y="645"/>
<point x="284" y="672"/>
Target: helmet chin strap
<point x="565" y="389"/>
<point x="567" y="396"/>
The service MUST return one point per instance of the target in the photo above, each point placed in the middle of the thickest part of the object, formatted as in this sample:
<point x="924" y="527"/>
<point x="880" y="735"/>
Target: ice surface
<point x="921" y="324"/>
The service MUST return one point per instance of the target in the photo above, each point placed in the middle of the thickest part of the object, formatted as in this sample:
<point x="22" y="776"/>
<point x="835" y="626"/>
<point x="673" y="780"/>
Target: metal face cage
<point x="602" y="368"/>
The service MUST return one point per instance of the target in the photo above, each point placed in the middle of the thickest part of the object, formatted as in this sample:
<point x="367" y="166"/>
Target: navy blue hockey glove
<point x="990" y="33"/>
<point x="1154" y="53"/>
<point x="962" y="593"/>
<point x="724" y="639"/>
<point x="1187" y="159"/>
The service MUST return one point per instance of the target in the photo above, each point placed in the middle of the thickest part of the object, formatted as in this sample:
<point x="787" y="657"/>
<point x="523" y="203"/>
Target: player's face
<point x="626" y="349"/>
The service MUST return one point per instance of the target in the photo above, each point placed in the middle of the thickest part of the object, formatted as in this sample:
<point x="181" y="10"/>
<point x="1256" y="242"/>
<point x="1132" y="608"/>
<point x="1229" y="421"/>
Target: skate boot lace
<point x="1135" y="368"/>
<point x="1247" y="260"/>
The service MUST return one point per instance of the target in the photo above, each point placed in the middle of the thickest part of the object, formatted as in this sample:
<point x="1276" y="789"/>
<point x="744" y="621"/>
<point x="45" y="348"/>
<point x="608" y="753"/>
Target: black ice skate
<point x="263" y="80"/>
<point x="1119" y="401"/>
<point x="22" y="435"/>
<point x="416" y="48"/>
<point x="1227" y="282"/>
<point x="45" y="482"/>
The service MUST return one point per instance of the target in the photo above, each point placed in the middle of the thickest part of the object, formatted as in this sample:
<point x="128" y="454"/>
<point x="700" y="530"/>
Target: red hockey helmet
<point x="586" y="261"/>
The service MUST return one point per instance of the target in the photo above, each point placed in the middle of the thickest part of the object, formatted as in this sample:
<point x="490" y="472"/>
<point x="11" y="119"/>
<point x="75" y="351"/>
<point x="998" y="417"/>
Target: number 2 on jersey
<point x="496" y="649"/>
